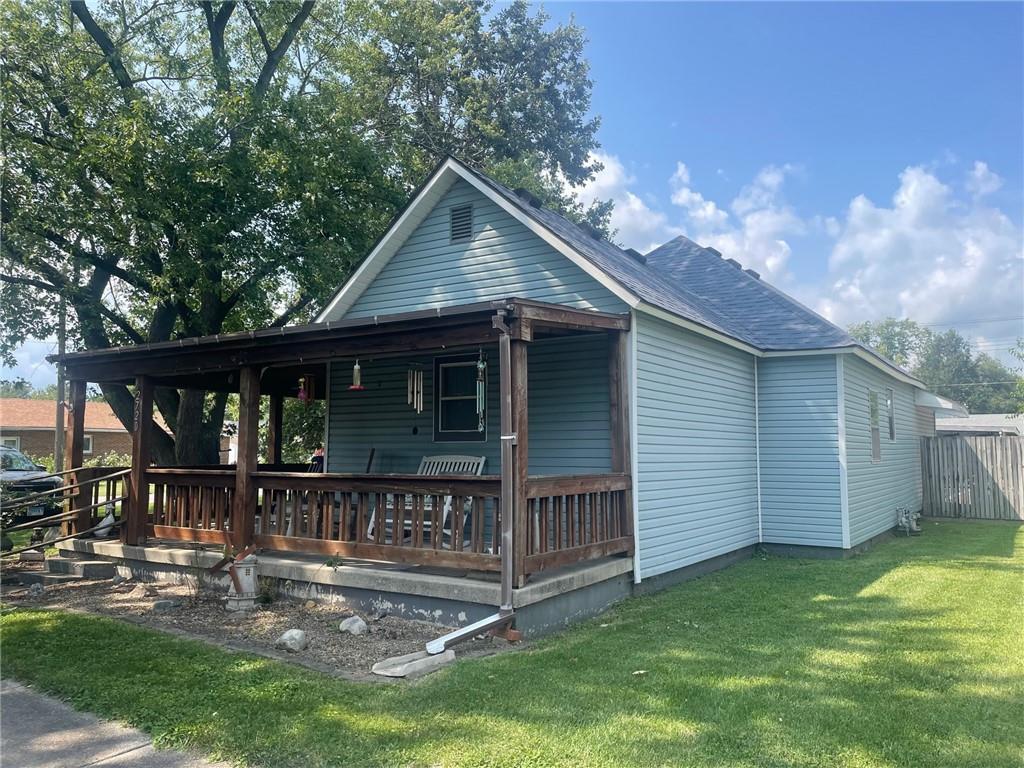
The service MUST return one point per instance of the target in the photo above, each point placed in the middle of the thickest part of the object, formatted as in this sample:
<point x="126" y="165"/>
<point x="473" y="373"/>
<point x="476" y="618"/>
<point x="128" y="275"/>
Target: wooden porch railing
<point x="576" y="517"/>
<point x="398" y="518"/>
<point x="190" y="504"/>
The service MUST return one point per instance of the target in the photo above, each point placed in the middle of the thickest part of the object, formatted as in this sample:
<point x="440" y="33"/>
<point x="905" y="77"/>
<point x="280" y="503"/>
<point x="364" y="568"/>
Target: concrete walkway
<point x="37" y="731"/>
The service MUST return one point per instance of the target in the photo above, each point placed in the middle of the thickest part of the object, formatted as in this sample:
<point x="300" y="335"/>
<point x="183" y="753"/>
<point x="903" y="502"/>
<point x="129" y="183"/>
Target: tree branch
<point x="215" y="24"/>
<point x="303" y="301"/>
<point x="275" y="56"/>
<point x="110" y="51"/>
<point x="259" y="27"/>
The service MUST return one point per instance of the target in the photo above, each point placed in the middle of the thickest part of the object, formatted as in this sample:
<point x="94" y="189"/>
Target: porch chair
<point x="430" y="466"/>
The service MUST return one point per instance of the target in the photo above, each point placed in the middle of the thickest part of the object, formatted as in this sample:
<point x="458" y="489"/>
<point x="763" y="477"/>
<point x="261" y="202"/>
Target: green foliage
<point x="178" y="169"/>
<point x="947" y="364"/>
<point x="908" y="655"/>
<point x="302" y="430"/>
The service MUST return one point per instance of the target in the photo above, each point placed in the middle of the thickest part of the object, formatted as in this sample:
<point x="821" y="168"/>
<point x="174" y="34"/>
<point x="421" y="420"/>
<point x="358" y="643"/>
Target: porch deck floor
<point x="449" y="584"/>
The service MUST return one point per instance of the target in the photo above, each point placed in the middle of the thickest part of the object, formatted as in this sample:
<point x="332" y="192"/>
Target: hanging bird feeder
<point x="357" y="378"/>
<point x="305" y="394"/>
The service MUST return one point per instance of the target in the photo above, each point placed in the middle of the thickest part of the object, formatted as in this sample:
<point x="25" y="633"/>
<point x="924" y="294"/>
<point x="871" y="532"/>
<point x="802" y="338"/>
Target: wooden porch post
<point x="618" y="402"/>
<point x="520" y="400"/>
<point x="133" y="529"/>
<point x="274" y="429"/>
<point x="74" y="445"/>
<point x="243" y="513"/>
<point x="507" y="471"/>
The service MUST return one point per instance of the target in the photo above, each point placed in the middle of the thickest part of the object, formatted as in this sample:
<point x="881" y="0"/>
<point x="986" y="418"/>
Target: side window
<point x="873" y="416"/>
<point x="86" y="443"/>
<point x="458" y="400"/>
<point x="11" y="442"/>
<point x="890" y="406"/>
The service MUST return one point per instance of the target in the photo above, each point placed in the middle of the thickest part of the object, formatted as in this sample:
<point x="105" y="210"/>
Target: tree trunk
<point x="122" y="402"/>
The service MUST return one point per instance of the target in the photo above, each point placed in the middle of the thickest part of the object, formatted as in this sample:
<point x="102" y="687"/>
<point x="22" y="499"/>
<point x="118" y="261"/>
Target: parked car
<point x="20" y="477"/>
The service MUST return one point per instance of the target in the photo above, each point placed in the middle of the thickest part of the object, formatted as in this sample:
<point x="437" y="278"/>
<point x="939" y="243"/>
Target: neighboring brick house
<point x="28" y="425"/>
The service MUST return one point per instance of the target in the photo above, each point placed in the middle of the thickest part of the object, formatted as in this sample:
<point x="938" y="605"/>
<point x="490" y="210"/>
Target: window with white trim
<point x="873" y="422"/>
<point x="456" y="416"/>
<point x="12" y="441"/>
<point x="890" y="407"/>
<point x="86" y="443"/>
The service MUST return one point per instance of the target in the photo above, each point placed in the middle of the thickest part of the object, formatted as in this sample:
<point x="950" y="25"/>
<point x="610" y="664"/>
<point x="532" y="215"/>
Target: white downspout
<point x="757" y="449"/>
<point x="634" y="455"/>
<point x="844" y="493"/>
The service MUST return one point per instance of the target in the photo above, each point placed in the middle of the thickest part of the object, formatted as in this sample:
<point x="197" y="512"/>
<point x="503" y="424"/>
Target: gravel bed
<point x="200" y="613"/>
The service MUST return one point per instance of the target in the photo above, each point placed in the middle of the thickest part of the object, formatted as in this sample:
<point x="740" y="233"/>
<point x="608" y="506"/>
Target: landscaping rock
<point x="310" y="605"/>
<point x="142" y="591"/>
<point x="36" y="590"/>
<point x="353" y="625"/>
<point x="163" y="606"/>
<point x="117" y="579"/>
<point x="32" y="556"/>
<point x="293" y="641"/>
<point x="413" y="664"/>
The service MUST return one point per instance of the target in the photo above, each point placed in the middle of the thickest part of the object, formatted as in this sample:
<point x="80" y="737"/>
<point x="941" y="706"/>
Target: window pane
<point x="458" y="416"/>
<point x="873" y="409"/>
<point x="458" y="380"/>
<point x="876" y="445"/>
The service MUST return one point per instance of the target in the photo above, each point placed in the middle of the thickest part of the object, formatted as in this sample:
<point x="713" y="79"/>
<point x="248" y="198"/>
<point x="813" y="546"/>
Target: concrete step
<point x="47" y="579"/>
<point x="87" y="569"/>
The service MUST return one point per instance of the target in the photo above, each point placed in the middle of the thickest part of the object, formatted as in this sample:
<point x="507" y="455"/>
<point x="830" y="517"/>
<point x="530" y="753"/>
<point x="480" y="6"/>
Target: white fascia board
<point x="548" y="237"/>
<point x="389" y="244"/>
<point x="703" y="330"/>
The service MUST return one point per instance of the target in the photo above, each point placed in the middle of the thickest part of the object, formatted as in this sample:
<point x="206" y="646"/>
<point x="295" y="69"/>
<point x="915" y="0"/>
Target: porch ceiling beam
<point x="264" y="352"/>
<point x="565" y="317"/>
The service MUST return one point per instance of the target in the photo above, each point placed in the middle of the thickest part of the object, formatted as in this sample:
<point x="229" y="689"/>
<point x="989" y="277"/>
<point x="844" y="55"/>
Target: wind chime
<point x="414" y="388"/>
<point x="306" y="388"/>
<point x="481" y="392"/>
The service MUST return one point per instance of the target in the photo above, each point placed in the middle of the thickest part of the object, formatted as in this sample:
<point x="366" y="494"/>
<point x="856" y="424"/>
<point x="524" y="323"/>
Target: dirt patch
<point x="200" y="614"/>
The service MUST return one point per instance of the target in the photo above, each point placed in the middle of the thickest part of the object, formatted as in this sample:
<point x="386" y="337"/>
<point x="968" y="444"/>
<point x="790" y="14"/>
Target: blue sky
<point x="867" y="158"/>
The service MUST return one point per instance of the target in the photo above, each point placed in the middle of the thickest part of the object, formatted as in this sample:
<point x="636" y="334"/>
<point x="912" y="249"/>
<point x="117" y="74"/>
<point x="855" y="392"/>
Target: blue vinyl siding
<point x="877" y="488"/>
<point x="799" y="424"/>
<point x="696" y="462"/>
<point x="568" y="411"/>
<point x="502" y="259"/>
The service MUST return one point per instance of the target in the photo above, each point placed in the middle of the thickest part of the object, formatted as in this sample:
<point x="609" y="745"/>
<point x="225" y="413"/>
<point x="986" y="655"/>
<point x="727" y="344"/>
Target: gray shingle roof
<point x="770" y="318"/>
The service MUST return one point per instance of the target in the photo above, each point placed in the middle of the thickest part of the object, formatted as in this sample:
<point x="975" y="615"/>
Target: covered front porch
<point x="514" y="515"/>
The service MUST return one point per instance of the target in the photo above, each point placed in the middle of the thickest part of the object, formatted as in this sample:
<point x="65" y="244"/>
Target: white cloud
<point x="981" y="181"/>
<point x="702" y="212"/>
<point x="931" y="256"/>
<point x="638" y="225"/>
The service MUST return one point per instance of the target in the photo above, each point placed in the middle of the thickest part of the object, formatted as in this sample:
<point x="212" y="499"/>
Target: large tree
<point x="947" y="363"/>
<point x="177" y="169"/>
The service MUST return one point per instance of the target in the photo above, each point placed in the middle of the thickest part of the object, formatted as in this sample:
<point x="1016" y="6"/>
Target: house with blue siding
<point x="753" y="420"/>
<point x="521" y="416"/>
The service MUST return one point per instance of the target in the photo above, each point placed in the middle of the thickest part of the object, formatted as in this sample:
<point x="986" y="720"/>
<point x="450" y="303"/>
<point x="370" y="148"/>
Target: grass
<point x="908" y="656"/>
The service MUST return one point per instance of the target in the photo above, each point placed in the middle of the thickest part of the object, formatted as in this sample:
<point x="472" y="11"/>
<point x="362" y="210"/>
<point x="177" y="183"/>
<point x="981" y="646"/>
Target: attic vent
<point x="637" y="255"/>
<point x="461" y="223"/>
<point x="709" y="249"/>
<point x="591" y="230"/>
<point x="734" y="263"/>
<point x="527" y="196"/>
<point x="753" y="274"/>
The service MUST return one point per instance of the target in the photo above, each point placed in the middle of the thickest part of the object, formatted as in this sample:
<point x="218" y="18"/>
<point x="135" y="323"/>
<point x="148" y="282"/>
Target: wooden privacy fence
<point x="976" y="477"/>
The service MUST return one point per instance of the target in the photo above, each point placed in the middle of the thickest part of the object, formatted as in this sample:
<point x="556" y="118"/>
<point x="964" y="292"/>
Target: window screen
<point x="455" y="400"/>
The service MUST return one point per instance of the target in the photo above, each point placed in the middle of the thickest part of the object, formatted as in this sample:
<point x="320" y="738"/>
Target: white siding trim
<point x="844" y="494"/>
<point x="634" y="457"/>
<point x="757" y="454"/>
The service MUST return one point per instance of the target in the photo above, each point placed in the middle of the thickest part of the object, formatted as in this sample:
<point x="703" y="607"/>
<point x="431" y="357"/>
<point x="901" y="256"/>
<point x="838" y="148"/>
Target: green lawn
<point x="911" y="655"/>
